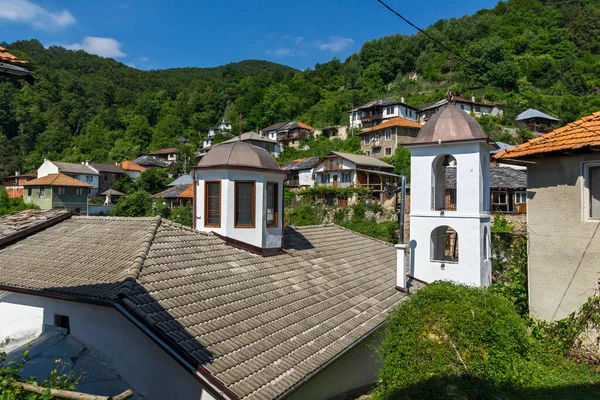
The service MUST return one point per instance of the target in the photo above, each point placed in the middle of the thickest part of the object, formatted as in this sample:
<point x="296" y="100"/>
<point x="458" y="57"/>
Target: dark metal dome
<point x="239" y="155"/>
<point x="450" y="125"/>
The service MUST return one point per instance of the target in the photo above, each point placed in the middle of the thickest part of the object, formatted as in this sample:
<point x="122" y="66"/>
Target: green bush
<point x="182" y="215"/>
<point x="9" y="205"/>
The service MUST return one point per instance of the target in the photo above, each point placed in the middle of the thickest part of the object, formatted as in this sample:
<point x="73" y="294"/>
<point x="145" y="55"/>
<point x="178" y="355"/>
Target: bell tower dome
<point x="450" y="200"/>
<point x="239" y="196"/>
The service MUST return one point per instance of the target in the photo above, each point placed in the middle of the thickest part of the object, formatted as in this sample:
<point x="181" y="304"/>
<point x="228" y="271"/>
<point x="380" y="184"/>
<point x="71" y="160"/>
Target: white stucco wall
<point x="141" y="362"/>
<point x="259" y="236"/>
<point x="564" y="246"/>
<point x="133" y="174"/>
<point x="305" y="177"/>
<point x="357" y="368"/>
<point x="470" y="219"/>
<point x="46" y="169"/>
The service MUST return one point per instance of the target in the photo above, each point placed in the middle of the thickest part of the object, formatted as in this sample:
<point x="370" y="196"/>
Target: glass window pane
<point x="213" y="203"/>
<point x="244" y="203"/>
<point x="595" y="192"/>
<point x="272" y="204"/>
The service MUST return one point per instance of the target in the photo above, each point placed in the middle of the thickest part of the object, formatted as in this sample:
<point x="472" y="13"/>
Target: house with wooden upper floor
<point x="168" y="155"/>
<point x="238" y="307"/>
<point x="58" y="191"/>
<point x="13" y="184"/>
<point x="108" y="174"/>
<point x="536" y="121"/>
<point x="82" y="172"/>
<point x="288" y="133"/>
<point x="256" y="139"/>
<point x="301" y="172"/>
<point x="471" y="106"/>
<point x="379" y="111"/>
<point x="563" y="215"/>
<point x="383" y="139"/>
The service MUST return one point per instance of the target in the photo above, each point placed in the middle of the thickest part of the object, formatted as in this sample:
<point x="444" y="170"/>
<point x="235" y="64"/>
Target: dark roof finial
<point x="450" y="97"/>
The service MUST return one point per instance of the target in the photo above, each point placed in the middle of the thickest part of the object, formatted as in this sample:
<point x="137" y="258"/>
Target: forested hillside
<point x="84" y="107"/>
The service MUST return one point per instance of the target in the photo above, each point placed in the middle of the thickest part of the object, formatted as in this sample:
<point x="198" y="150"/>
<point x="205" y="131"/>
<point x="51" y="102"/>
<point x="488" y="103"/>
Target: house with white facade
<point x="378" y="111"/>
<point x="450" y="235"/>
<point x="132" y="169"/>
<point x="471" y="106"/>
<point x="83" y="172"/>
<point x="288" y="133"/>
<point x="301" y="172"/>
<point x="382" y="140"/>
<point x="563" y="216"/>
<point x="238" y="307"/>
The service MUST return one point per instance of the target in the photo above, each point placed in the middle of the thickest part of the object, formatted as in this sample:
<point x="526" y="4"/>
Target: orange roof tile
<point x="166" y="151"/>
<point x="7" y="57"/>
<point x="397" y="121"/>
<point x="56" y="180"/>
<point x="188" y="193"/>
<point x="574" y="136"/>
<point x="305" y="126"/>
<point x="132" y="166"/>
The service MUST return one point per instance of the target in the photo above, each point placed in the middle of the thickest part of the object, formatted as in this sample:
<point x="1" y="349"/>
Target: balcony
<point x="292" y="183"/>
<point x="335" y="184"/>
<point x="373" y="117"/>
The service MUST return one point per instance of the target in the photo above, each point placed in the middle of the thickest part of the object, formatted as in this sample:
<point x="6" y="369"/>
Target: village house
<point x="238" y="307"/>
<point x="132" y="169"/>
<point x="301" y="172"/>
<point x="473" y="107"/>
<point x="563" y="215"/>
<point x="12" y="67"/>
<point x="256" y="139"/>
<point x="82" y="172"/>
<point x="14" y="183"/>
<point x="57" y="191"/>
<point x="536" y="121"/>
<point x="383" y="139"/>
<point x="177" y="196"/>
<point x="288" y="133"/>
<point x="221" y="127"/>
<point x="183" y="179"/>
<point x="168" y="155"/>
<point x="378" y="111"/>
<point x="339" y="132"/>
<point x="108" y="174"/>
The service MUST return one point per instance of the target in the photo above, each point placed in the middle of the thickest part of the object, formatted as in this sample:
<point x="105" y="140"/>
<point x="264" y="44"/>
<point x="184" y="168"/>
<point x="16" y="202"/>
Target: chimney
<point x="401" y="267"/>
<point x="17" y="173"/>
<point x="402" y="100"/>
<point x="473" y="98"/>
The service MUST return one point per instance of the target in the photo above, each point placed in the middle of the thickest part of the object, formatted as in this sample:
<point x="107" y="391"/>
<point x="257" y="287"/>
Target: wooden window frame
<point x="253" y="209"/>
<point x="276" y="207"/>
<point x="61" y="191"/>
<point x="206" y="224"/>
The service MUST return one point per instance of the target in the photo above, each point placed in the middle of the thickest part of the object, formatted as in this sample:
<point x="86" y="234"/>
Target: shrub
<point x="452" y="330"/>
<point x="182" y="215"/>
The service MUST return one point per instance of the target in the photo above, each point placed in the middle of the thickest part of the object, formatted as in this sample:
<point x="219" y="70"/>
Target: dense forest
<point x="522" y="53"/>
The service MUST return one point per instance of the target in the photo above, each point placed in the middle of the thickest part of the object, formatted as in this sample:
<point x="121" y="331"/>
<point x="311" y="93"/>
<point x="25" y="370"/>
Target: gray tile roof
<point x="148" y="161"/>
<point x="74" y="168"/>
<point x="301" y="163"/>
<point x="26" y="220"/>
<point x="500" y="178"/>
<point x="109" y="168"/>
<point x="187" y="178"/>
<point x="173" y="191"/>
<point x="258" y="324"/>
<point x="533" y="113"/>
<point x="251" y="136"/>
<point x="360" y="159"/>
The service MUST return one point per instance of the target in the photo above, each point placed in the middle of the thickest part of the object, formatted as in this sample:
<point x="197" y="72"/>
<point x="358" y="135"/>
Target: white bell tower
<point x="450" y="200"/>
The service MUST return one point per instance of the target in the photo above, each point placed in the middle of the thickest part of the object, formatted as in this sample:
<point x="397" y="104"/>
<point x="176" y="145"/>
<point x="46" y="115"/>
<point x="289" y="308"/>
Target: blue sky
<point x="158" y="34"/>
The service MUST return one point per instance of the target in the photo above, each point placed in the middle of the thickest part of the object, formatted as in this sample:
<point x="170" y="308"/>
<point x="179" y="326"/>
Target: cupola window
<point x="244" y="204"/>
<point x="272" y="204"/>
<point x="212" y="203"/>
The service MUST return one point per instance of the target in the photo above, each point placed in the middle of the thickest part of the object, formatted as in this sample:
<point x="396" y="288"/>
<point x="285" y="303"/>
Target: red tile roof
<point x="132" y="166"/>
<point x="397" y="121"/>
<point x="305" y="126"/>
<point x="56" y="180"/>
<point x="581" y="134"/>
<point x="188" y="193"/>
<point x="5" y="56"/>
<point x="166" y="151"/>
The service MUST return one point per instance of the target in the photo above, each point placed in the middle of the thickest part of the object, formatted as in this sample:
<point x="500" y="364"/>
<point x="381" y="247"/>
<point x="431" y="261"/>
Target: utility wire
<point x="459" y="56"/>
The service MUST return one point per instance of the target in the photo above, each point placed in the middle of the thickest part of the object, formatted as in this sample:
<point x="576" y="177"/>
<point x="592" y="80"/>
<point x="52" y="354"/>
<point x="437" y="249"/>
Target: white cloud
<point x="103" y="47"/>
<point x="26" y="12"/>
<point x="281" y="52"/>
<point x="299" y="39"/>
<point x="335" y="44"/>
<point x="144" y="59"/>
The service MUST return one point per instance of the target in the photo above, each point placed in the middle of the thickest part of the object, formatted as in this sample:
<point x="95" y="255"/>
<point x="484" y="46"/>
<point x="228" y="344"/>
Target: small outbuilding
<point x="57" y="191"/>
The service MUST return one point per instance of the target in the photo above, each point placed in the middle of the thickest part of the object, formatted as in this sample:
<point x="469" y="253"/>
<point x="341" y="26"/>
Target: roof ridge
<point x="136" y="267"/>
<point x="342" y="228"/>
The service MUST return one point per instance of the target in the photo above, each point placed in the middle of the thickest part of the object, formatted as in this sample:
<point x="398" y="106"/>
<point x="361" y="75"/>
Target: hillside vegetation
<point x="84" y="107"/>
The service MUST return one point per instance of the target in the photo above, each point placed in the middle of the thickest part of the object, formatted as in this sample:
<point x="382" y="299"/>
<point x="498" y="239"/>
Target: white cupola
<point x="239" y="196"/>
<point x="450" y="199"/>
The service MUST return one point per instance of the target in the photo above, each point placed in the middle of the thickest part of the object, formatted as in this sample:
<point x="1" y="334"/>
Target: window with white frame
<point x="62" y="190"/>
<point x="591" y="190"/>
<point x="499" y="201"/>
<point x="388" y="134"/>
<point x="520" y="197"/>
<point x="345" y="176"/>
<point x="390" y="110"/>
<point x="388" y="151"/>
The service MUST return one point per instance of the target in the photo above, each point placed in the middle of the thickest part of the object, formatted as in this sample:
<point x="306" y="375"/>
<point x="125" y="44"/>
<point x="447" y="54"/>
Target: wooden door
<point x="335" y="180"/>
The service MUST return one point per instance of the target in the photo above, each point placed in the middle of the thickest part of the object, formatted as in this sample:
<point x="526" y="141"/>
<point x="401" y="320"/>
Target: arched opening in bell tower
<point x="444" y="244"/>
<point x="443" y="194"/>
